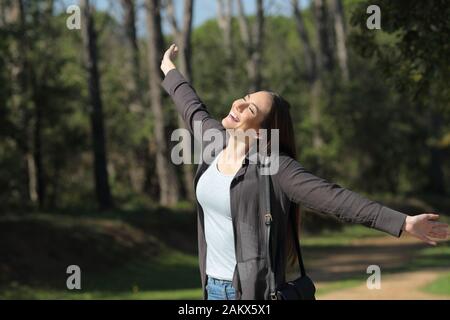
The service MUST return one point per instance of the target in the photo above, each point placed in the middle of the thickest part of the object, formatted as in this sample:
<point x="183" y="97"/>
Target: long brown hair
<point x="279" y="117"/>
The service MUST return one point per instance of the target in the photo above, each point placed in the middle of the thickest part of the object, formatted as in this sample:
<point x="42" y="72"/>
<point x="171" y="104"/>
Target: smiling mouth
<point x="236" y="119"/>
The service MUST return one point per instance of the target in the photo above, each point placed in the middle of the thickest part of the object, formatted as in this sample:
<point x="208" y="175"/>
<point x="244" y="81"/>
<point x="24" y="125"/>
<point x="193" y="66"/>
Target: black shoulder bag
<point x="301" y="288"/>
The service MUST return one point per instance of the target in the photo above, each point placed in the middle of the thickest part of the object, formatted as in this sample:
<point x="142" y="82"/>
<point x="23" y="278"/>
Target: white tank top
<point x="213" y="194"/>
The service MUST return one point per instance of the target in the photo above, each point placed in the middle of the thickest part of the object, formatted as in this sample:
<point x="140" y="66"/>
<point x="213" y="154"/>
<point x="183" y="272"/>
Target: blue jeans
<point x="218" y="289"/>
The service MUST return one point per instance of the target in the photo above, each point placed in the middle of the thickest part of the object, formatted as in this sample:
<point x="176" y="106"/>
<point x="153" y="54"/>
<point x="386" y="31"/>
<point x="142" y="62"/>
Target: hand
<point x="169" y="55"/>
<point x="424" y="227"/>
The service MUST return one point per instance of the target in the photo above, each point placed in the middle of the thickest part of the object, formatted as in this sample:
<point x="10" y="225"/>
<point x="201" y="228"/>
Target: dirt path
<point x="390" y="254"/>
<point x="393" y="287"/>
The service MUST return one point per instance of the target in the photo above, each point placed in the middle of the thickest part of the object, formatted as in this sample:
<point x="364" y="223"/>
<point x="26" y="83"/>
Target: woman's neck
<point x="235" y="150"/>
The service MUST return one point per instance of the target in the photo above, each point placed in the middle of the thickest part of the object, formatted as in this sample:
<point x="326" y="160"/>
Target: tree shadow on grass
<point x="112" y="255"/>
<point x="149" y="276"/>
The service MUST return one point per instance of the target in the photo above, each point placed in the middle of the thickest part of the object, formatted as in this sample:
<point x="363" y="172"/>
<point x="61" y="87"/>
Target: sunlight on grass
<point x="440" y="286"/>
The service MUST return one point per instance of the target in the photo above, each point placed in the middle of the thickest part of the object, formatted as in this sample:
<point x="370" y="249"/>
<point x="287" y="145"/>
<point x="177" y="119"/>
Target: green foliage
<point x="412" y="56"/>
<point x="377" y="128"/>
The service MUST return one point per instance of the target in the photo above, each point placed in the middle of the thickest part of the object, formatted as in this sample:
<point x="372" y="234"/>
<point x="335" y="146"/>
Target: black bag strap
<point x="268" y="221"/>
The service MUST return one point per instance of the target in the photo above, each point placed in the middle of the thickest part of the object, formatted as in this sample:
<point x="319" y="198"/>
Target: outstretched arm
<point x="301" y="186"/>
<point x="186" y="100"/>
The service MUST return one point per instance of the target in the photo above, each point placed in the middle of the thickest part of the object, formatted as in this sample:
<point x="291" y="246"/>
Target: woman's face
<point x="248" y="112"/>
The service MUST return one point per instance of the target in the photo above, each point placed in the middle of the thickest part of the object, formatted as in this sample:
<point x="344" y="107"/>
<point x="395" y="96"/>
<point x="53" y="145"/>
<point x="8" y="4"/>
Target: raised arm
<point x="302" y="187"/>
<point x="186" y="100"/>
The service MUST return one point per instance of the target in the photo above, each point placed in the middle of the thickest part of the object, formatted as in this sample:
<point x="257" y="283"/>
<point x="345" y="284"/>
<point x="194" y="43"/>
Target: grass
<point x="339" y="285"/>
<point x="346" y="236"/>
<point x="174" y="275"/>
<point x="118" y="259"/>
<point x="431" y="257"/>
<point x="440" y="286"/>
<point x="27" y="292"/>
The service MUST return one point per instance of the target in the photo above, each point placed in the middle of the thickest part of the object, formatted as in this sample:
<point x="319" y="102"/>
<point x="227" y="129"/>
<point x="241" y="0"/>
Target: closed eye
<point x="251" y="109"/>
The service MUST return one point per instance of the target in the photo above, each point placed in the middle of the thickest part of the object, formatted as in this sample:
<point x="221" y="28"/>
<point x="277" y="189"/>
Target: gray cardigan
<point x="292" y="183"/>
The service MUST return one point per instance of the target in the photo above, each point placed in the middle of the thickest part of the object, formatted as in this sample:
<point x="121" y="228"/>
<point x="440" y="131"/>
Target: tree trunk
<point x="313" y="73"/>
<point x="169" y="189"/>
<point x="38" y="86"/>
<point x="15" y="13"/>
<point x="28" y="94"/>
<point x="2" y="14"/>
<point x="49" y="8"/>
<point x="96" y="109"/>
<point x="138" y="102"/>
<point x="253" y="42"/>
<point x="315" y="111"/>
<point x="308" y="51"/>
<point x="10" y="12"/>
<point x="256" y="57"/>
<point x="325" y="60"/>
<point x="224" y="14"/>
<point x="130" y="30"/>
<point x="339" y="30"/>
<point x="183" y="40"/>
<point x="38" y="102"/>
<point x="185" y="43"/>
<point x="31" y="177"/>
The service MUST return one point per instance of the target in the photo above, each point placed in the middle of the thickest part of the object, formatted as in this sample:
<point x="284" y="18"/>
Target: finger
<point x="170" y="48"/>
<point x="438" y="231"/>
<point x="438" y="223"/>
<point x="427" y="239"/>
<point x="167" y="53"/>
<point x="441" y="231"/>
<point x="439" y="227"/>
<point x="438" y="235"/>
<point x="173" y="49"/>
<point x="432" y="216"/>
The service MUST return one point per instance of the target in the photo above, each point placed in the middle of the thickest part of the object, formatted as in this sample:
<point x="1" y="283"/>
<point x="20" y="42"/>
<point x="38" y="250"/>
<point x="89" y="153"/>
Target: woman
<point x="230" y="220"/>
